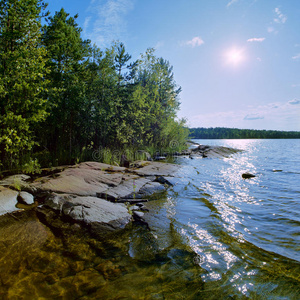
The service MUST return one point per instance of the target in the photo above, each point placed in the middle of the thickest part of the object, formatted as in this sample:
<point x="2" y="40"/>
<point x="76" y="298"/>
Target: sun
<point x="234" y="56"/>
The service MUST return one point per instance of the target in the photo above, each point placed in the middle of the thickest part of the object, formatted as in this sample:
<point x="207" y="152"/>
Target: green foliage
<point x="22" y="82"/>
<point x="17" y="184"/>
<point x="66" y="61"/>
<point x="61" y="98"/>
<point x="234" y="133"/>
<point x="32" y="167"/>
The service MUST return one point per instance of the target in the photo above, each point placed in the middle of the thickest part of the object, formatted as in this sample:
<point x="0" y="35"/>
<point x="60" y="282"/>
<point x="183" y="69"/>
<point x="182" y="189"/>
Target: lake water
<point x="246" y="232"/>
<point x="213" y="235"/>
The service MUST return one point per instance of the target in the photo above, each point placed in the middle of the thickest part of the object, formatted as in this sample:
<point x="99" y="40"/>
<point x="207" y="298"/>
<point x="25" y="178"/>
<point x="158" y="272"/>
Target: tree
<point x="156" y="77"/>
<point x="22" y="77"/>
<point x="67" y="54"/>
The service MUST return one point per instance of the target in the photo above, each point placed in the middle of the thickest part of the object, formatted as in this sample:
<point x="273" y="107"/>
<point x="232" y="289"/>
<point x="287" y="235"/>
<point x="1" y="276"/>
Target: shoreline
<point x="102" y="197"/>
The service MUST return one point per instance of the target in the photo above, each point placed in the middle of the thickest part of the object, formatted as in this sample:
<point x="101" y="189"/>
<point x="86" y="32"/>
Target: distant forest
<point x="234" y="133"/>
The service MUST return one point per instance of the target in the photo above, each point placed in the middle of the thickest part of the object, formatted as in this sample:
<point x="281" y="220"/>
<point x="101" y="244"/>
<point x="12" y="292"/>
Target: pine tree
<point x="67" y="54"/>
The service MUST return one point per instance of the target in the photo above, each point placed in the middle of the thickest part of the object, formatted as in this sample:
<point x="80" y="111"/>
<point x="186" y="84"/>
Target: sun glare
<point x="234" y="56"/>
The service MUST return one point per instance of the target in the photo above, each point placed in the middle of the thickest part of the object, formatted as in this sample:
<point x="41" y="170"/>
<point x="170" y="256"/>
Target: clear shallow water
<point x="246" y="232"/>
<point x="213" y="235"/>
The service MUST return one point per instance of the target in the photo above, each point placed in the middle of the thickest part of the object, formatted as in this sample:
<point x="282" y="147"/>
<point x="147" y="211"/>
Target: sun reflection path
<point x="202" y="243"/>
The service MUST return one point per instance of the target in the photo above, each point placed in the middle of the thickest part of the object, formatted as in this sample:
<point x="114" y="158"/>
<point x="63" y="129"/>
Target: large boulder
<point x="8" y="200"/>
<point x="99" y="214"/>
<point x="26" y="198"/>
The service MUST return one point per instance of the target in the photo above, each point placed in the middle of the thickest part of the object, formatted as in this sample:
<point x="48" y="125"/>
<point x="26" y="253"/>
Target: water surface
<point x="213" y="235"/>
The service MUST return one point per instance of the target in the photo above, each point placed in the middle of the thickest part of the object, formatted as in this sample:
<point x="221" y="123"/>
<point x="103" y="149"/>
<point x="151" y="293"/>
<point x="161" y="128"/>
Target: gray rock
<point x="127" y="189"/>
<point x="138" y="214"/>
<point x="160" y="158"/>
<point x="26" y="198"/>
<point x="98" y="213"/>
<point x="85" y="179"/>
<point x="163" y="180"/>
<point x="143" y="208"/>
<point x="157" y="169"/>
<point x="213" y="151"/>
<point x="151" y="188"/>
<point x="18" y="181"/>
<point x="8" y="200"/>
<point x="134" y="208"/>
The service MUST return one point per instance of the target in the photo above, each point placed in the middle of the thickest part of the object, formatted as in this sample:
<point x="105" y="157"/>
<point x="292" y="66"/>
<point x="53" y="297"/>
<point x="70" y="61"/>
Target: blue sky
<point x="237" y="61"/>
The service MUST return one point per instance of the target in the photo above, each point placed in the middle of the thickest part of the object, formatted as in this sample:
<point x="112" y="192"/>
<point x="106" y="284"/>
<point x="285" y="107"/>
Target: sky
<point x="237" y="61"/>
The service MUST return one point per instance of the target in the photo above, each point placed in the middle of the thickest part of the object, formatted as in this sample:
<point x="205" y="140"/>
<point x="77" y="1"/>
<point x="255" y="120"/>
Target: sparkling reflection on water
<point x="214" y="235"/>
<point x="246" y="230"/>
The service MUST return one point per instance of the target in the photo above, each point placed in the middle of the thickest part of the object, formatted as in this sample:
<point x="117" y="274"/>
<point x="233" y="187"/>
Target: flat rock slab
<point x="8" y="200"/>
<point x="157" y="169"/>
<point x="93" y="211"/>
<point x="213" y="151"/>
<point x="19" y="180"/>
<point x="80" y="192"/>
<point x="85" y="179"/>
<point x="105" y="181"/>
<point x="127" y="189"/>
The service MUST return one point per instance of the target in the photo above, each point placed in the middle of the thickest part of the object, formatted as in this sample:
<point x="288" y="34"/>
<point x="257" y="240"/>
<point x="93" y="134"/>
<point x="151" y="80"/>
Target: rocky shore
<point x="101" y="197"/>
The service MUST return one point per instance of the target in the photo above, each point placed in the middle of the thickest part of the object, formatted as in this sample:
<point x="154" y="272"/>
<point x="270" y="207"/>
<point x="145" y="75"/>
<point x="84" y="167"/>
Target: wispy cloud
<point x="294" y="102"/>
<point x="194" y="42"/>
<point x="255" y="116"/>
<point x="106" y="21"/>
<point x="296" y="85"/>
<point x="256" y="40"/>
<point x="231" y="2"/>
<point x="271" y="29"/>
<point x="296" y="57"/>
<point x="86" y="24"/>
<point x="280" y="17"/>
